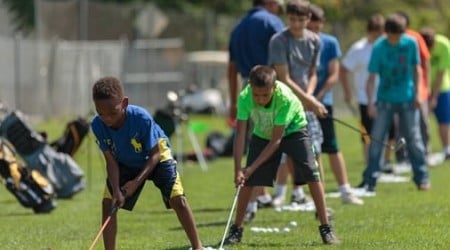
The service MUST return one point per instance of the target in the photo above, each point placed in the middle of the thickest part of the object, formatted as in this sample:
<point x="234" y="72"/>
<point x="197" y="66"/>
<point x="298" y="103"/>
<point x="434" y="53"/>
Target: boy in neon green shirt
<point x="279" y="127"/>
<point x="439" y="46"/>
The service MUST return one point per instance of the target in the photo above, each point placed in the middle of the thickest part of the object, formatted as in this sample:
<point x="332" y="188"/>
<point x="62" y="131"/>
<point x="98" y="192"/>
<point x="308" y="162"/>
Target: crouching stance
<point x="135" y="149"/>
<point x="279" y="127"/>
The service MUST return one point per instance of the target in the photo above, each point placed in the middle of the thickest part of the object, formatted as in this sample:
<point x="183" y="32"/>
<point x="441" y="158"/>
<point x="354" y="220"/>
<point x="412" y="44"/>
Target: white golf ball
<point x="293" y="223"/>
<point x="286" y="229"/>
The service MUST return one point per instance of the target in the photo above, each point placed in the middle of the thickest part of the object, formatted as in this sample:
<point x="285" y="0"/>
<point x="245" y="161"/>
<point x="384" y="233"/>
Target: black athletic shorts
<point x="296" y="145"/>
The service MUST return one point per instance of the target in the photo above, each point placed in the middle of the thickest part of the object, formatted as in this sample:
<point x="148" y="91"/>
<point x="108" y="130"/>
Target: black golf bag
<point x="76" y="130"/>
<point x="63" y="172"/>
<point x="30" y="188"/>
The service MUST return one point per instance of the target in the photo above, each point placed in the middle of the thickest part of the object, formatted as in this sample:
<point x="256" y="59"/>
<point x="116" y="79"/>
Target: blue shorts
<point x="442" y="110"/>
<point x="165" y="177"/>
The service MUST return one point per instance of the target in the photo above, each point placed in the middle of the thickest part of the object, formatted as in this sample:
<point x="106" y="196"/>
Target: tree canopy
<point x="339" y="13"/>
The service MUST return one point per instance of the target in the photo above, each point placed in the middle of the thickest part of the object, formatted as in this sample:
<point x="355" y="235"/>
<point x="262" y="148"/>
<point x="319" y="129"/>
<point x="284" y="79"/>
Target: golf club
<point x="398" y="145"/>
<point x="113" y="211"/>
<point x="231" y="215"/>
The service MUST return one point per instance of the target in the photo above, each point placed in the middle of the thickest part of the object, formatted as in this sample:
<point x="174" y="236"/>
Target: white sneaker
<point x="278" y="201"/>
<point x="350" y="198"/>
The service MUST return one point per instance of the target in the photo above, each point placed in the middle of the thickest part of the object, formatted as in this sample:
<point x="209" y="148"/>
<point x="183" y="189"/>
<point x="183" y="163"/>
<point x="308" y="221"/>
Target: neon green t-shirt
<point x="284" y="109"/>
<point x="440" y="60"/>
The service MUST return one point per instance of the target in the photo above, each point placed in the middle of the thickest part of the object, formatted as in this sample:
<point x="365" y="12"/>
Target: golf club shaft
<point x="230" y="216"/>
<point x="362" y="133"/>
<point x="113" y="211"/>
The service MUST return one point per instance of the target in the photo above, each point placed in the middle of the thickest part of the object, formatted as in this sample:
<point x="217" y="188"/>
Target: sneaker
<point x="387" y="167"/>
<point x="300" y="200"/>
<point x="424" y="187"/>
<point x="262" y="204"/>
<point x="234" y="235"/>
<point x="278" y="201"/>
<point x="447" y="156"/>
<point x="327" y="234"/>
<point x="249" y="216"/>
<point x="350" y="198"/>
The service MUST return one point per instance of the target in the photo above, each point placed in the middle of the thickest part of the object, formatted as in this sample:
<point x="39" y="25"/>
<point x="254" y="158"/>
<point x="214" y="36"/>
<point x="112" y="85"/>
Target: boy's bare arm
<point x="312" y="82"/>
<point x="274" y="143"/>
<point x="112" y="170"/>
<point x="308" y="101"/>
<point x="345" y="84"/>
<point x="238" y="150"/>
<point x="233" y="86"/>
<point x="154" y="158"/>
<point x="333" y="77"/>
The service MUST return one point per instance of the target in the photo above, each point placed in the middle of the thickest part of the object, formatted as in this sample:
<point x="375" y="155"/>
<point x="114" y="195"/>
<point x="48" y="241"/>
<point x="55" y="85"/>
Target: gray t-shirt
<point x="299" y="54"/>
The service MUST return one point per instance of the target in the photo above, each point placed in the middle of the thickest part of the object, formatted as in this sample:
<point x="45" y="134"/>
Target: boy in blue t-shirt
<point x="395" y="59"/>
<point x="135" y="149"/>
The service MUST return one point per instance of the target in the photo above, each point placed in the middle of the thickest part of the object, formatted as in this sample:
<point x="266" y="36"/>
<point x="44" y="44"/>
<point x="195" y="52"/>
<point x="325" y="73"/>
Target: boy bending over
<point x="279" y="127"/>
<point x="135" y="149"/>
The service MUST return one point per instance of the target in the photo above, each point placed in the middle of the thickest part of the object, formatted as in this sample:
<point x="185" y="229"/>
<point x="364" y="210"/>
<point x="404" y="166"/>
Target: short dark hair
<point x="428" y="35"/>
<point x="262" y="76"/>
<point x="395" y="24"/>
<point x="317" y="13"/>
<point x="298" y="8"/>
<point x="258" y="2"/>
<point x="404" y="15"/>
<point x="107" y="88"/>
<point x="375" y="23"/>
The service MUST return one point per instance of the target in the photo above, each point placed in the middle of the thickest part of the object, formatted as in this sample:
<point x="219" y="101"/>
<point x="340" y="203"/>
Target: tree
<point x="23" y="13"/>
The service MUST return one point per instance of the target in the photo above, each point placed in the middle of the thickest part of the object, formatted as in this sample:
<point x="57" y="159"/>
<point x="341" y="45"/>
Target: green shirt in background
<point x="440" y="60"/>
<point x="284" y="109"/>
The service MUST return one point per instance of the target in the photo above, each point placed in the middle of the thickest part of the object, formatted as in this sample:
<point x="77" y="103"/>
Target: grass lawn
<point x="399" y="217"/>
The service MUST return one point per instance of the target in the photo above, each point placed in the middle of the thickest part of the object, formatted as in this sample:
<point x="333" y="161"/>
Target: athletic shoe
<point x="387" y="167"/>
<point x="249" y="216"/>
<point x="300" y="200"/>
<point x="327" y="234"/>
<point x="350" y="198"/>
<point x="263" y="203"/>
<point x="447" y="156"/>
<point x="278" y="201"/>
<point x="234" y="235"/>
<point x="424" y="187"/>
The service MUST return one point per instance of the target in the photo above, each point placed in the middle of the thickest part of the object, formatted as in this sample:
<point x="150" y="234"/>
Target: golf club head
<point x="400" y="144"/>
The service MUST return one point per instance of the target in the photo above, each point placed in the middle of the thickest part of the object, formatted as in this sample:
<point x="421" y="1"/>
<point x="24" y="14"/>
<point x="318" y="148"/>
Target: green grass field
<point x="399" y="217"/>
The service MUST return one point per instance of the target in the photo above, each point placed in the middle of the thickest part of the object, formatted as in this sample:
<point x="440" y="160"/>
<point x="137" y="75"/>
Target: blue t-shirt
<point x="395" y="64"/>
<point x="131" y="143"/>
<point x="249" y="42"/>
<point x="329" y="50"/>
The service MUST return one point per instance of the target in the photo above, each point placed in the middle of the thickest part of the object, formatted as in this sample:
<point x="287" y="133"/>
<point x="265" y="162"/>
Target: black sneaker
<point x="299" y="200"/>
<point x="264" y="204"/>
<point x="327" y="234"/>
<point x="234" y="235"/>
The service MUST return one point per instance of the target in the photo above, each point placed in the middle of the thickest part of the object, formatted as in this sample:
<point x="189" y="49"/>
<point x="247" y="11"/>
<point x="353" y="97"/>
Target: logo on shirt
<point x="136" y="145"/>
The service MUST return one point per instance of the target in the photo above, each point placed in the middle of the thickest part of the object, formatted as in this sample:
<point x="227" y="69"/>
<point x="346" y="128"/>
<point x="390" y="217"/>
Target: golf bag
<point x="63" y="172"/>
<point x="30" y="188"/>
<point x="72" y="137"/>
